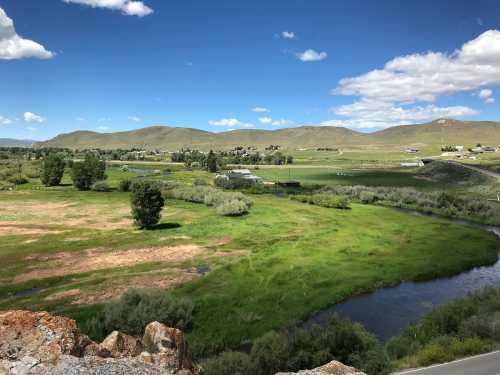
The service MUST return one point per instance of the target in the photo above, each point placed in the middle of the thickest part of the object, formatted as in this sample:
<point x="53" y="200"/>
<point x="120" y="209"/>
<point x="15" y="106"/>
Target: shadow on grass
<point x="165" y="226"/>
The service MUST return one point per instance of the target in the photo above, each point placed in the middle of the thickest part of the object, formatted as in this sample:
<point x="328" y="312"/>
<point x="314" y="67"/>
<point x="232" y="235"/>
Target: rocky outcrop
<point x="332" y="368"/>
<point x="38" y="343"/>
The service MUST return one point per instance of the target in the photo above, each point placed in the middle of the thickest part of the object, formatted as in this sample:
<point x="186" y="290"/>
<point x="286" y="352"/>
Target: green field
<point x="68" y="252"/>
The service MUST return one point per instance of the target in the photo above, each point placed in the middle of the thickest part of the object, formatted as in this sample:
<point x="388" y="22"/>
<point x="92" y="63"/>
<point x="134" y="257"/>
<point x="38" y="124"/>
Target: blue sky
<point x="110" y="65"/>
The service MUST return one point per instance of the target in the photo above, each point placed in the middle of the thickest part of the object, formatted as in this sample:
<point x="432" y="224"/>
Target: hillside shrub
<point x="295" y="349"/>
<point x="52" y="169"/>
<point x="18" y="180"/>
<point x="232" y="208"/>
<point x="225" y="203"/>
<point x="459" y="328"/>
<point x="125" y="185"/>
<point x="441" y="203"/>
<point x="137" y="308"/>
<point x="323" y="200"/>
<point x="234" y="183"/>
<point x="100" y="186"/>
<point x="147" y="202"/>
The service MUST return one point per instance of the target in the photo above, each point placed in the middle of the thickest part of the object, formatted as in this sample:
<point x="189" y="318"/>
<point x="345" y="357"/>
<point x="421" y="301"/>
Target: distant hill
<point x="9" y="142"/>
<point x="439" y="132"/>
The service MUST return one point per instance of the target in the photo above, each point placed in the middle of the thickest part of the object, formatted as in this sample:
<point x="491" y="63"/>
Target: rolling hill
<point x="439" y="132"/>
<point x="9" y="142"/>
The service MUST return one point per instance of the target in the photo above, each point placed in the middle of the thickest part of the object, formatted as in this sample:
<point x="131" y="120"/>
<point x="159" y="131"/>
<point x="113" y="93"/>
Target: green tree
<point x="85" y="174"/>
<point x="147" y="202"/>
<point x="211" y="162"/>
<point x="52" y="169"/>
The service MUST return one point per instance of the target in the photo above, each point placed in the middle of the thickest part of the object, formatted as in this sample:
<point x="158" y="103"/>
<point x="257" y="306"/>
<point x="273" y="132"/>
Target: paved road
<point x="484" y="364"/>
<point x="477" y="169"/>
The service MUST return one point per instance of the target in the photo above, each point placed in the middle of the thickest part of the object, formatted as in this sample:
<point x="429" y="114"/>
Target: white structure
<point x="413" y="164"/>
<point x="240" y="174"/>
<point x="412" y="150"/>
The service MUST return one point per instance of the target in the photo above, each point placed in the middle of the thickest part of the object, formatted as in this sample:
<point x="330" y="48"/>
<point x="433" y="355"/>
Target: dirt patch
<point x="96" y="259"/>
<point x="64" y="294"/>
<point x="14" y="229"/>
<point x="92" y="216"/>
<point x="114" y="289"/>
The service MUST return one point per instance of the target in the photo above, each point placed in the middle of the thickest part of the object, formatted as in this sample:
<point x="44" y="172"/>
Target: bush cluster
<point x="137" y="308"/>
<point x="441" y="203"/>
<point x="125" y="185"/>
<point x="297" y="348"/>
<point x="324" y="200"/>
<point x="52" y="169"/>
<point x="462" y="327"/>
<point x="225" y="203"/>
<point x="233" y="183"/>
<point x="85" y="174"/>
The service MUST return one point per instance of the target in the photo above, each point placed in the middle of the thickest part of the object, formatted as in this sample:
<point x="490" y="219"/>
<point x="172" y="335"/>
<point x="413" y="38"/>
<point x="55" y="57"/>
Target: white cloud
<point x="311" y="55"/>
<point x="386" y="93"/>
<point x="260" y="109"/>
<point x="230" y="123"/>
<point x="32" y="117"/>
<point x="12" y="46"/>
<point x="79" y="119"/>
<point x="134" y="118"/>
<point x="288" y="35"/>
<point x="5" y="121"/>
<point x="127" y="7"/>
<point x="379" y="114"/>
<point x="104" y="119"/>
<point x="486" y="95"/>
<point x="265" y="120"/>
<point x="31" y="128"/>
<point x="102" y="127"/>
<point x="425" y="77"/>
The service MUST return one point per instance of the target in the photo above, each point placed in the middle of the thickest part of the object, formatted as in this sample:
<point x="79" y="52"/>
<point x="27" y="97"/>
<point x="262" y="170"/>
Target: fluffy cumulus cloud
<point x="5" y="121"/>
<point x="288" y="35"/>
<point x="266" y="120"/>
<point x="231" y="123"/>
<point x="12" y="46"/>
<point x="127" y="7"/>
<point x="32" y="117"/>
<point x="380" y="114"/>
<point x="486" y="95"/>
<point x="260" y="109"/>
<point x="311" y="55"/>
<point x="392" y="95"/>
<point x="134" y="118"/>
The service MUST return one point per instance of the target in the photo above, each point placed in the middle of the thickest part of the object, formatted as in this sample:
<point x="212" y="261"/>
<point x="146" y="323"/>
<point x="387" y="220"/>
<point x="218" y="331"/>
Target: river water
<point x="387" y="311"/>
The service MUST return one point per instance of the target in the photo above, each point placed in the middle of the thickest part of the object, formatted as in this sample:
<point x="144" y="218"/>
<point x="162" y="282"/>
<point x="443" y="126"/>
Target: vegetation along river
<point x="387" y="311"/>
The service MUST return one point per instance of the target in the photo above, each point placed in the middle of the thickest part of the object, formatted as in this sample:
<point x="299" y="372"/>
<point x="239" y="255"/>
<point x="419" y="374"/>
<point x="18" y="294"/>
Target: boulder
<point x="37" y="343"/>
<point x="332" y="368"/>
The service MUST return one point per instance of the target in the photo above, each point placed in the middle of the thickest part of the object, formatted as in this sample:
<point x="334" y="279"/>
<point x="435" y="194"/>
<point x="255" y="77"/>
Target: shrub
<point x="234" y="183"/>
<point x="124" y="185"/>
<point x="229" y="363"/>
<point x="137" y="308"/>
<point x="52" y="169"/>
<point x="232" y="208"/>
<point x="100" y="186"/>
<point x="18" y="180"/>
<point x="270" y="353"/>
<point x="147" y="203"/>
<point x="85" y="174"/>
<point x="323" y="200"/>
<point x="200" y="182"/>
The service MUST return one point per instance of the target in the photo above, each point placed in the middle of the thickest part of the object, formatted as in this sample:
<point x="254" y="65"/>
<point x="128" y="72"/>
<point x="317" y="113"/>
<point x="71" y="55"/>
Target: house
<point x="240" y="174"/>
<point x="459" y="148"/>
<point x="477" y="150"/>
<point x="413" y="164"/>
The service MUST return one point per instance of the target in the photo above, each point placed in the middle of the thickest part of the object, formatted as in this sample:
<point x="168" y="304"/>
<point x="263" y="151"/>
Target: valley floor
<point x="68" y="252"/>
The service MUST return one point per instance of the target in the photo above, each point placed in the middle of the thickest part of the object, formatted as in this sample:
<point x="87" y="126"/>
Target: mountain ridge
<point x="438" y="132"/>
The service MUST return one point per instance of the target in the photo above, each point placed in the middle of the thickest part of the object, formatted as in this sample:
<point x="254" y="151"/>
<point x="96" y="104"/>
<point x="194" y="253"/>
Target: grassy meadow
<point x="69" y="251"/>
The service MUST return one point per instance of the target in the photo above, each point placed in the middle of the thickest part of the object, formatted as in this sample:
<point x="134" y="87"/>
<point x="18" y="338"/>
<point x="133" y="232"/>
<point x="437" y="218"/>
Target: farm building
<point x="412" y="150"/>
<point x="413" y="164"/>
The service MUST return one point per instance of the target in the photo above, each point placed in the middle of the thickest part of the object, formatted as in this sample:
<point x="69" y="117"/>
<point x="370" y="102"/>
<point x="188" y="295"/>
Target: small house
<point x="240" y="174"/>
<point x="412" y="150"/>
<point x="413" y="164"/>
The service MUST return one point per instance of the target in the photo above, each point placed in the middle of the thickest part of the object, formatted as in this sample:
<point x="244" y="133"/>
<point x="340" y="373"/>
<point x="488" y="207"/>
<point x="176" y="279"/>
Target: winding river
<point x="387" y="311"/>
